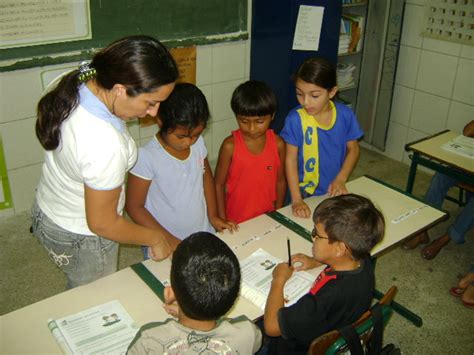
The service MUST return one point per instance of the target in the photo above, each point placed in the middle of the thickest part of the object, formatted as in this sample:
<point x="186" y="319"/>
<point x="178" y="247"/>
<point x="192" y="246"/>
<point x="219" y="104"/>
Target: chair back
<point x="333" y="342"/>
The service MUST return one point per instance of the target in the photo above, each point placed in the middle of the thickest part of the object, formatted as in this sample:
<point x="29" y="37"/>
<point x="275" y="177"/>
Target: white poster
<point x="308" y="28"/>
<point x="34" y="22"/>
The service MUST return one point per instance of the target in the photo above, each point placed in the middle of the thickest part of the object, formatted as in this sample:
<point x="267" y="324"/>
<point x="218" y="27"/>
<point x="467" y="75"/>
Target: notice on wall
<point x="5" y="194"/>
<point x="33" y="22"/>
<point x="185" y="59"/>
<point x="308" y="28"/>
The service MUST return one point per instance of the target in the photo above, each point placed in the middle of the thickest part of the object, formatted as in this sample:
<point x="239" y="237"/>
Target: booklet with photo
<point x="461" y="145"/>
<point x="257" y="278"/>
<point x="104" y="329"/>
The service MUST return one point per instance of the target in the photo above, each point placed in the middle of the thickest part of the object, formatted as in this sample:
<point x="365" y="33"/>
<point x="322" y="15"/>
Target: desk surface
<point x="25" y="330"/>
<point x="431" y="147"/>
<point x="404" y="215"/>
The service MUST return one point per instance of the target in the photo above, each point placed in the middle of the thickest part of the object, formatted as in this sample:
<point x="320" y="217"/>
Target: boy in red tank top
<point x="250" y="178"/>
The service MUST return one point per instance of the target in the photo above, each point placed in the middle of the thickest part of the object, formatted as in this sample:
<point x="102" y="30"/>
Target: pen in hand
<point x="289" y="251"/>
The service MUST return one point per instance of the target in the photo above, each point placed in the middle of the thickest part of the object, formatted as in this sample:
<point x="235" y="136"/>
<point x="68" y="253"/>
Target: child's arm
<point x="275" y="300"/>
<point x="468" y="130"/>
<point x="210" y="194"/>
<point x="338" y="185"/>
<point x="137" y="190"/>
<point x="300" y="208"/>
<point x="302" y="262"/>
<point x="281" y="178"/>
<point x="222" y="169"/>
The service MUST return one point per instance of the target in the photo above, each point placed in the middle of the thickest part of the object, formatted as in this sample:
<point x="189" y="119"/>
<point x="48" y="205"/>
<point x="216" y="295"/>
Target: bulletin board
<point x="177" y="23"/>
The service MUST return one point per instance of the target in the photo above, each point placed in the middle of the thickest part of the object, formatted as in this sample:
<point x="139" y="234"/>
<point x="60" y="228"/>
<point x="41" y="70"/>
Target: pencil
<point x="289" y="250"/>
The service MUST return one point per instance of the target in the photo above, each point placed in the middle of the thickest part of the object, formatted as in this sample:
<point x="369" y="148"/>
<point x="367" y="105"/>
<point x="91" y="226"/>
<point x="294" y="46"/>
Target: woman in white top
<point x="77" y="215"/>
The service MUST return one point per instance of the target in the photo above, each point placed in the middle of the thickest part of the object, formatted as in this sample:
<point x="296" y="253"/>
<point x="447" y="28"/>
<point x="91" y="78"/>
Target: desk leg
<point x="412" y="173"/>
<point x="404" y="312"/>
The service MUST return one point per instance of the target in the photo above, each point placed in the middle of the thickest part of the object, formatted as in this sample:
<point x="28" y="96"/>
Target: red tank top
<point x="251" y="180"/>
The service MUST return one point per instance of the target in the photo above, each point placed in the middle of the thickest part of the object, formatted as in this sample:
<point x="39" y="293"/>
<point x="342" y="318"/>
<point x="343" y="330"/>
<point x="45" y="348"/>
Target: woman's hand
<point x="300" y="209"/>
<point x="161" y="250"/>
<point x="303" y="262"/>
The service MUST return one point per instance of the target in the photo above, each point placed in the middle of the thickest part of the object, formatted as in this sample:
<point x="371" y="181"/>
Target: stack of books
<point x="344" y="41"/>
<point x="345" y="76"/>
<point x="353" y="26"/>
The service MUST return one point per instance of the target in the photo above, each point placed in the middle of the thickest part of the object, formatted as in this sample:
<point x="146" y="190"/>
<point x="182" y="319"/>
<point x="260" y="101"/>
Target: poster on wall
<point x="186" y="60"/>
<point x="29" y="23"/>
<point x="5" y="193"/>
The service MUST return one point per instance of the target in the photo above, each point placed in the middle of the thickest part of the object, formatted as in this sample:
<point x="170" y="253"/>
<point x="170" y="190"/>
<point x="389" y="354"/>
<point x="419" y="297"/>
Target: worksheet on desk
<point x="461" y="145"/>
<point x="257" y="277"/>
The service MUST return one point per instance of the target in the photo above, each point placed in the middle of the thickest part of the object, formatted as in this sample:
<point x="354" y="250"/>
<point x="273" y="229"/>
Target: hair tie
<point x="86" y="72"/>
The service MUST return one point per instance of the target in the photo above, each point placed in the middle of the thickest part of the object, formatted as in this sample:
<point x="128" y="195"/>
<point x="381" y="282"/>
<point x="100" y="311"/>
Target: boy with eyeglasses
<point x="346" y="228"/>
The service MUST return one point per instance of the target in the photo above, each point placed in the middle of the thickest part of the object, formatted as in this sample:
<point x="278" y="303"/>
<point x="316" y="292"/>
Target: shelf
<point x="348" y="54"/>
<point x="354" y="5"/>
<point x="348" y="87"/>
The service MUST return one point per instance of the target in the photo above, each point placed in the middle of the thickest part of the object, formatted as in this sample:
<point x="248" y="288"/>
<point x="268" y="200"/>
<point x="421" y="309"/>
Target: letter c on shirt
<point x="309" y="165"/>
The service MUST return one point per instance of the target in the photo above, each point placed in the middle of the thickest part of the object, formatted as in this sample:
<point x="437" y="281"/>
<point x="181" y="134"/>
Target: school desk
<point x="25" y="331"/>
<point x="404" y="216"/>
<point x="428" y="152"/>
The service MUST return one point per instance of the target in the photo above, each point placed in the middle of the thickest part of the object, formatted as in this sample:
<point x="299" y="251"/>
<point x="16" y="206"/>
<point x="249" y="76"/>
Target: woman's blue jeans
<point x="83" y="258"/>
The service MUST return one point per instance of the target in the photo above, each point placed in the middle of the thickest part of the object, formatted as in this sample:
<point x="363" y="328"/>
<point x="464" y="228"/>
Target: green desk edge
<point x="156" y="286"/>
<point x="288" y="223"/>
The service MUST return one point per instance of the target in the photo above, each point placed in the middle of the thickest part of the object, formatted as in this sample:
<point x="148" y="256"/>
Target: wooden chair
<point x="333" y="342"/>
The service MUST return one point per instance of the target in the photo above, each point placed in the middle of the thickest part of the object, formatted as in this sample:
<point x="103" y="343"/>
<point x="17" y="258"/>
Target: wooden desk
<point x="428" y="152"/>
<point x="25" y="331"/>
<point x="392" y="203"/>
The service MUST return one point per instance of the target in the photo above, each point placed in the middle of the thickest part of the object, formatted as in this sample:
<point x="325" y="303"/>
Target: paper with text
<point x="257" y="278"/>
<point x="103" y="329"/>
<point x="308" y="28"/>
<point x="461" y="145"/>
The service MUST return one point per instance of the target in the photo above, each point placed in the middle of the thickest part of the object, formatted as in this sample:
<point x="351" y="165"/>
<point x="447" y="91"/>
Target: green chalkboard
<point x="174" y="22"/>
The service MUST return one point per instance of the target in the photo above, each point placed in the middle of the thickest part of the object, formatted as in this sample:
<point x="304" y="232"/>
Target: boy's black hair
<point x="352" y="219"/>
<point x="205" y="276"/>
<point x="186" y="106"/>
<point x="253" y="98"/>
<point x="317" y="71"/>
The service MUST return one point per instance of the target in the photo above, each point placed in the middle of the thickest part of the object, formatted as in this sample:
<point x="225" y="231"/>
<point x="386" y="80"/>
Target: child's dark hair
<point x="317" y="71"/>
<point x="253" y="98"/>
<point x="186" y="106"/>
<point x="205" y="276"/>
<point x="352" y="219"/>
<point x="141" y="63"/>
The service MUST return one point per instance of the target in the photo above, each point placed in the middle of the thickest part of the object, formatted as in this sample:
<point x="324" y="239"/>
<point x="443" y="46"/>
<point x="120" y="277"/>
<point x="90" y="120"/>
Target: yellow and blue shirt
<point x="321" y="149"/>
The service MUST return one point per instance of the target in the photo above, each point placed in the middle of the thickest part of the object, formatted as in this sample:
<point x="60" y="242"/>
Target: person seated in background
<point x="346" y="228"/>
<point x="465" y="289"/>
<point x="205" y="282"/>
<point x="439" y="186"/>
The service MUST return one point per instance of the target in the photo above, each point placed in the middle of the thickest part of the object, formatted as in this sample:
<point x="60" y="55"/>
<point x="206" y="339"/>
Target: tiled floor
<point x="27" y="275"/>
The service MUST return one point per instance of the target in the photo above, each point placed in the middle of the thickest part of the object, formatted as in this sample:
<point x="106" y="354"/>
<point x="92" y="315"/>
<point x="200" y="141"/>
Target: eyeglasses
<point x="315" y="235"/>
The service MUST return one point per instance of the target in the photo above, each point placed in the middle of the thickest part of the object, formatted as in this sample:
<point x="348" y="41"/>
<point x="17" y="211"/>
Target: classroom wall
<point x="434" y="86"/>
<point x="220" y="68"/>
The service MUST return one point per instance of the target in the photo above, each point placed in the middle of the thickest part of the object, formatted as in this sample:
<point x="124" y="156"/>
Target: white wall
<point x="434" y="86"/>
<point x="220" y="68"/>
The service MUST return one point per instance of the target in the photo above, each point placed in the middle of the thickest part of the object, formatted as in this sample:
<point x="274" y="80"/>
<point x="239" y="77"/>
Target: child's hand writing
<point x="282" y="272"/>
<point x="219" y="224"/>
<point x="303" y="262"/>
<point x="300" y="209"/>
<point x="337" y="188"/>
<point x="170" y="305"/>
